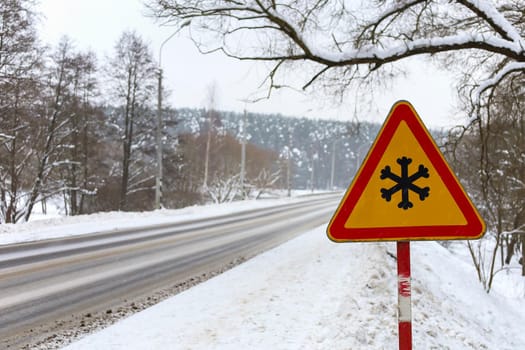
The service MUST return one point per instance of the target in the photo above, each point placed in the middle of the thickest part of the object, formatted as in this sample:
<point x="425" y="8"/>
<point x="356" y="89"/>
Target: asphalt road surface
<point x="46" y="281"/>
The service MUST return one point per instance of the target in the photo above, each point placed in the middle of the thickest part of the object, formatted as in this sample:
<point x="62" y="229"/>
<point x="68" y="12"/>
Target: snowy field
<point x="310" y="293"/>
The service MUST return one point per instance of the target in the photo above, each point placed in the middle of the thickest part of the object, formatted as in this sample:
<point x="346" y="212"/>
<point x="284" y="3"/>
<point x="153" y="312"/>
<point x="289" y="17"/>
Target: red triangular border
<point x="403" y="111"/>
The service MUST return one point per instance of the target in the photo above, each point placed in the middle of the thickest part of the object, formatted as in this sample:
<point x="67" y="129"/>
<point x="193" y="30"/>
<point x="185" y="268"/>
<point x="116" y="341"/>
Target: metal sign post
<point x="404" y="296"/>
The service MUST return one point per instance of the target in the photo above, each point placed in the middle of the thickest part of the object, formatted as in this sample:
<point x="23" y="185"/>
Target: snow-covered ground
<point x="55" y="225"/>
<point x="311" y="293"/>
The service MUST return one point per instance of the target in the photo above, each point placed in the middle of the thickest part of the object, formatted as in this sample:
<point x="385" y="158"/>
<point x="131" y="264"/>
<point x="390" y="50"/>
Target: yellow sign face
<point x="438" y="208"/>
<point x="405" y="190"/>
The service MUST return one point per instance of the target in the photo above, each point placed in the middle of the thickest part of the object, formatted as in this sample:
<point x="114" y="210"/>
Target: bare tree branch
<point x="343" y="36"/>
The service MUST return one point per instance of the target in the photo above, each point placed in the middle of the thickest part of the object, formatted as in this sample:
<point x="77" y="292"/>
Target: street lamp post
<point x="158" y="134"/>
<point x="158" y="137"/>
<point x="243" y="152"/>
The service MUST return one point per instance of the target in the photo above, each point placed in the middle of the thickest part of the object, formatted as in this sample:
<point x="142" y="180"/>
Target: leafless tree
<point x="132" y="73"/>
<point x="54" y="128"/>
<point x="212" y="123"/>
<point x="490" y="159"/>
<point x="79" y="106"/>
<point x="338" y="42"/>
<point x="42" y="117"/>
<point x="20" y="86"/>
<point x="265" y="181"/>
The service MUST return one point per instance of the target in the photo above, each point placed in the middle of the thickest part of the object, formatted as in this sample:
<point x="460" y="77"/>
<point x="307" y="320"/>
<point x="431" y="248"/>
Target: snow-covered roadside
<point x="311" y="293"/>
<point x="64" y="226"/>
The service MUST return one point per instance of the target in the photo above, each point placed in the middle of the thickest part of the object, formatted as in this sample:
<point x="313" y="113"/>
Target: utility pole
<point x="207" y="155"/>
<point x="158" y="133"/>
<point x="332" y="172"/>
<point x="523" y="256"/>
<point x="243" y="151"/>
<point x="289" y="165"/>
<point x="312" y="173"/>
<point x="158" y="138"/>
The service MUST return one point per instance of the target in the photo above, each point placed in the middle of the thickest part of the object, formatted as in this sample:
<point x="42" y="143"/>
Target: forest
<point x="80" y="128"/>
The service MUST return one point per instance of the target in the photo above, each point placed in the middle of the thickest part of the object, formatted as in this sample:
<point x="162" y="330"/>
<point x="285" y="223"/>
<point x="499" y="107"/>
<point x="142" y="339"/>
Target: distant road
<point x="47" y="281"/>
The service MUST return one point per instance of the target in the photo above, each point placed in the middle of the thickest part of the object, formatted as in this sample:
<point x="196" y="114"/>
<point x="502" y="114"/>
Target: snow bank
<point x="57" y="226"/>
<point x="452" y="311"/>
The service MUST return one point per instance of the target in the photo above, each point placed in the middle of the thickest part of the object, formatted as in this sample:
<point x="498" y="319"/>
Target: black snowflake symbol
<point x="404" y="183"/>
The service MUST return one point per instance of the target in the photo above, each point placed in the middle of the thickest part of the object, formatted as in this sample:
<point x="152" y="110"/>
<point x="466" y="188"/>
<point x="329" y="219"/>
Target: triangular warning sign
<point x="405" y="190"/>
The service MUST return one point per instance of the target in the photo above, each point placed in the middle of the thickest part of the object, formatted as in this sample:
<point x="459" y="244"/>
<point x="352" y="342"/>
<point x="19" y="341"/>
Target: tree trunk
<point x="127" y="140"/>
<point x="523" y="256"/>
<point x="207" y="155"/>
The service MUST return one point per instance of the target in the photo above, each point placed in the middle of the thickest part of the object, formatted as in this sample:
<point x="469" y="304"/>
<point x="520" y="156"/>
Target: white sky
<point x="97" y="24"/>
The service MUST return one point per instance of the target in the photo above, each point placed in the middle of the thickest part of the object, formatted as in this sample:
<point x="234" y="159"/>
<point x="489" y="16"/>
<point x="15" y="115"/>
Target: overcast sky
<point x="97" y="24"/>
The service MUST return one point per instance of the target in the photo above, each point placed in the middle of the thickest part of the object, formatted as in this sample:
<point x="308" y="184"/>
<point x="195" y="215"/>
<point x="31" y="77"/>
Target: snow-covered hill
<point x="311" y="293"/>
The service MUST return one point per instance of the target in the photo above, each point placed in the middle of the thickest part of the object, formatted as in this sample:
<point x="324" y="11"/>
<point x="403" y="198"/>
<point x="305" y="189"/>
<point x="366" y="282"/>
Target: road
<point x="44" y="282"/>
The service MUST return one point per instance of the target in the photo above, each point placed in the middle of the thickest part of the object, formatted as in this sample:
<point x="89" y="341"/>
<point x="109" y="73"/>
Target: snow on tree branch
<point x="339" y="37"/>
<point x="497" y="78"/>
<point x="495" y="19"/>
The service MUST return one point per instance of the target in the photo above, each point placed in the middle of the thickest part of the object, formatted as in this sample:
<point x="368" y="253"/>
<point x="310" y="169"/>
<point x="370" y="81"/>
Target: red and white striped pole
<point x="404" y="296"/>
